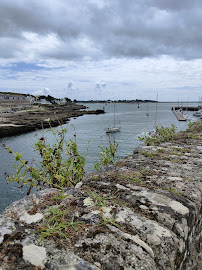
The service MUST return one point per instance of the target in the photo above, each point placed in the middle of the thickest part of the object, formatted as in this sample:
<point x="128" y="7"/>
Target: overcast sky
<point x="102" y="49"/>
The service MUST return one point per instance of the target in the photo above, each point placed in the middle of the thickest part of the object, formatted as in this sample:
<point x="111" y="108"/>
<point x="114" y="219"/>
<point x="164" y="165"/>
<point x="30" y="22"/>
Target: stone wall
<point x="144" y="213"/>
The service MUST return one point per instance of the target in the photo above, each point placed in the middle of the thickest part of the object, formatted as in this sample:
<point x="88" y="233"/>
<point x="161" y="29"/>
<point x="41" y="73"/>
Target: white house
<point x="42" y="101"/>
<point x="12" y="97"/>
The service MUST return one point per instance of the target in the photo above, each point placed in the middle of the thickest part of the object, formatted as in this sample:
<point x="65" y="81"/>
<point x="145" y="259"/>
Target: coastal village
<point x="12" y="102"/>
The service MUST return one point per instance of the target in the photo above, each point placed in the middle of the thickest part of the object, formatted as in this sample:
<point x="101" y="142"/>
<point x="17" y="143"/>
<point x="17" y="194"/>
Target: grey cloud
<point x="71" y="86"/>
<point x="9" y="47"/>
<point x="176" y="5"/>
<point x="100" y="85"/>
<point x="40" y="17"/>
<point x="115" y="28"/>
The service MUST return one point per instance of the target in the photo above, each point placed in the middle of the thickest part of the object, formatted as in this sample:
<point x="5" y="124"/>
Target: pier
<point x="178" y="115"/>
<point x="190" y="108"/>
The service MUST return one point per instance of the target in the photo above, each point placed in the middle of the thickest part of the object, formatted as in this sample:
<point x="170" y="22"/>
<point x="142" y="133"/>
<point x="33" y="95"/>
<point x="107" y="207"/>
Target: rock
<point x="29" y="219"/>
<point x="25" y="121"/>
<point x="35" y="255"/>
<point x="143" y="213"/>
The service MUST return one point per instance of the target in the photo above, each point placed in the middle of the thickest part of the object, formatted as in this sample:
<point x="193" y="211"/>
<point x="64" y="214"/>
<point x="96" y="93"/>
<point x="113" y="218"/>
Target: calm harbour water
<point x="133" y="121"/>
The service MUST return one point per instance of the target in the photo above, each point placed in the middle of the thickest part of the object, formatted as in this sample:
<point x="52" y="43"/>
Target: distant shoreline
<point x="39" y="117"/>
<point x="132" y="101"/>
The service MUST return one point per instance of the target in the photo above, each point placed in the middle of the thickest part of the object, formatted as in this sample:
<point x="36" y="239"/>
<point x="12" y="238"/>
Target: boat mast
<point x="114" y="114"/>
<point x="156" y="109"/>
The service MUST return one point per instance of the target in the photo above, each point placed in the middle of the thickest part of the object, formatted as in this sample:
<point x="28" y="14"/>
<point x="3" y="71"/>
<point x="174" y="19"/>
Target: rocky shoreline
<point x="36" y="117"/>
<point x="142" y="213"/>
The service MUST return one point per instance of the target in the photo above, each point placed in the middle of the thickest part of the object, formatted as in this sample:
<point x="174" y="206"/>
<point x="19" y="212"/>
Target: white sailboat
<point x="147" y="113"/>
<point x="114" y="128"/>
<point x="199" y="112"/>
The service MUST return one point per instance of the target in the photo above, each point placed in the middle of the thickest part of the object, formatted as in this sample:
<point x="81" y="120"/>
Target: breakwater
<point x="142" y="213"/>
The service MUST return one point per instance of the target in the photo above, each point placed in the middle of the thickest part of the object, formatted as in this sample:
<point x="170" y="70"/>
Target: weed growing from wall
<point x="160" y="134"/>
<point x="107" y="155"/>
<point x="54" y="171"/>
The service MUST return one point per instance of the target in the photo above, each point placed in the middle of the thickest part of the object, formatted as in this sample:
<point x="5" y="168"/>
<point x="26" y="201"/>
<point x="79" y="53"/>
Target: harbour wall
<point x="145" y="213"/>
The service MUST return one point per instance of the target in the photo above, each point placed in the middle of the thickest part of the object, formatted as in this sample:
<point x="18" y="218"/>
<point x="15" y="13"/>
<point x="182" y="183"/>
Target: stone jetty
<point x="142" y="213"/>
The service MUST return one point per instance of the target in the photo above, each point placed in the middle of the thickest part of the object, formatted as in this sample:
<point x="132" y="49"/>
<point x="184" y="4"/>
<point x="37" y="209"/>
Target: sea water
<point x="90" y="134"/>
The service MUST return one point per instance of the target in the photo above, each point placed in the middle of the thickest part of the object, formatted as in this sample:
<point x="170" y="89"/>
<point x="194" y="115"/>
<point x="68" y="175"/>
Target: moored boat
<point x="198" y="113"/>
<point x="114" y="128"/>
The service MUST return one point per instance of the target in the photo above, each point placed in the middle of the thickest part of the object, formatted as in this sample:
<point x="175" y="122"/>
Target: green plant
<point x="186" y="150"/>
<point x="173" y="190"/>
<point x="59" y="196"/>
<point x="107" y="155"/>
<point x="147" y="139"/>
<point x="134" y="180"/>
<point x="176" y="153"/>
<point x="56" y="224"/>
<point x="161" y="150"/>
<point x="189" y="179"/>
<point x="99" y="200"/>
<point x="148" y="154"/>
<point x="176" y="160"/>
<point x="143" y="171"/>
<point x="131" y="178"/>
<point x="193" y="136"/>
<point x="160" y="134"/>
<point x="55" y="170"/>
<point x="111" y="220"/>
<point x="195" y="125"/>
<point x="192" y="123"/>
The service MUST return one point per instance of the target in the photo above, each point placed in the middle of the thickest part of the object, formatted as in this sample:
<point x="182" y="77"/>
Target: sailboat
<point x="199" y="112"/>
<point x="147" y="113"/>
<point x="114" y="128"/>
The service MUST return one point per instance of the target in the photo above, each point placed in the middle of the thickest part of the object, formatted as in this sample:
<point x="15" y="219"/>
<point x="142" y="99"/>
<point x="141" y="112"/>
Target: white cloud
<point x="138" y="47"/>
<point x="44" y="92"/>
<point x="72" y="90"/>
<point x="130" y="79"/>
